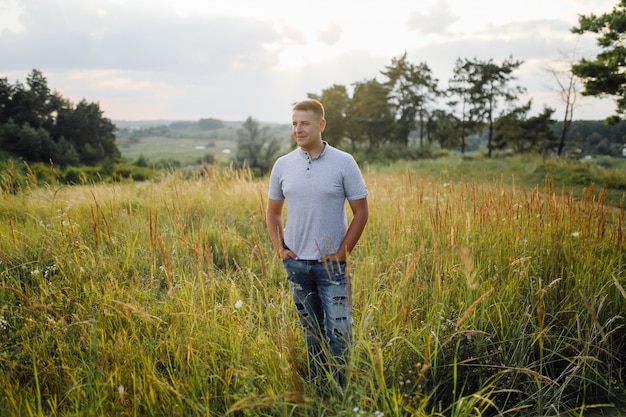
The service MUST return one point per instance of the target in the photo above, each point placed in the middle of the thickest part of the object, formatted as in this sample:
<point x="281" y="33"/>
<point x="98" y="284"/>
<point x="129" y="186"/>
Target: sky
<point x="233" y="59"/>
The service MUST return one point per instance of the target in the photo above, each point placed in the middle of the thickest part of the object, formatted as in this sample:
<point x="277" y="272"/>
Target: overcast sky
<point x="230" y="59"/>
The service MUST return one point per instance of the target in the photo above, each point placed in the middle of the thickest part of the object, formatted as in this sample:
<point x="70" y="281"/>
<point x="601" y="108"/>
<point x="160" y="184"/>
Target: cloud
<point x="331" y="34"/>
<point x="436" y="21"/>
<point x="186" y="59"/>
<point x="118" y="35"/>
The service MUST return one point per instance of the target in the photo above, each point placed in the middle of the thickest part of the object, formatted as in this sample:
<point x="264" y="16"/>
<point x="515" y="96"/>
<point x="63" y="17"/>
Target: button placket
<point x="309" y="165"/>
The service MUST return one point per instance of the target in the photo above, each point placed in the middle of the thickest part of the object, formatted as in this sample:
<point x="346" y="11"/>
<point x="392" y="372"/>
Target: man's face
<point x="306" y="128"/>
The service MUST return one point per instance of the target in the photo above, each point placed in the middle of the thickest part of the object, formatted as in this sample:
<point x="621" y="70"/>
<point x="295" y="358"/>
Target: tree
<point x="568" y="92"/>
<point x="443" y="129"/>
<point x="588" y="133"/>
<point x="6" y="98"/>
<point x="509" y="129"/>
<point x="539" y="132"/>
<point x="460" y="91"/>
<point x="31" y="104"/>
<point x="210" y="124"/>
<point x="40" y="126"/>
<point x="91" y="134"/>
<point x="488" y="87"/>
<point x="336" y="103"/>
<point x="525" y="134"/>
<point x="39" y="100"/>
<point x="370" y="117"/>
<point x="411" y="88"/>
<point x="606" y="74"/>
<point x="256" y="148"/>
<point x="26" y="141"/>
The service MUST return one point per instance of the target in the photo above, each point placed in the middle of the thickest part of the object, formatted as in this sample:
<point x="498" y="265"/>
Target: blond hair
<point x="311" y="105"/>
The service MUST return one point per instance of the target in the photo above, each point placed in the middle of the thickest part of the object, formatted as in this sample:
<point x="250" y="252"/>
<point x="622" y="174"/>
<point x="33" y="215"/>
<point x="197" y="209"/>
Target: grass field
<point x="473" y="295"/>
<point x="190" y="145"/>
<point x="185" y="150"/>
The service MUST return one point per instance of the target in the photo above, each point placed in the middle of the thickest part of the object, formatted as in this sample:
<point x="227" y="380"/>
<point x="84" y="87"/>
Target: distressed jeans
<point x="321" y="294"/>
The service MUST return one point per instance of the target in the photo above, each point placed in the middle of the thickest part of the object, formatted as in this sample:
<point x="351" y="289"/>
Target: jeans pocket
<point x="291" y="269"/>
<point x="337" y="272"/>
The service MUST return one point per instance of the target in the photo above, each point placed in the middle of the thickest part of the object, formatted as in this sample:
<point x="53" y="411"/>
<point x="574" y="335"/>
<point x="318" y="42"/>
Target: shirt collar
<point x="305" y="154"/>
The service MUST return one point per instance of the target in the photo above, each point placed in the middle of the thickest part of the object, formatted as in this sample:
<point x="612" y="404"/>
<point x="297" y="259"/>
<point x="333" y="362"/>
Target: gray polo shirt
<point x="315" y="191"/>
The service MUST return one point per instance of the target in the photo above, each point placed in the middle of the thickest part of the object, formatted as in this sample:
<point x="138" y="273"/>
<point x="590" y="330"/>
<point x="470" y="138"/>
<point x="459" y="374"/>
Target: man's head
<point x="311" y="105"/>
<point x="307" y="124"/>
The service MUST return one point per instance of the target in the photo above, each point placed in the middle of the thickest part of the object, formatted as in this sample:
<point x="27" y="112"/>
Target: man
<point x="315" y="180"/>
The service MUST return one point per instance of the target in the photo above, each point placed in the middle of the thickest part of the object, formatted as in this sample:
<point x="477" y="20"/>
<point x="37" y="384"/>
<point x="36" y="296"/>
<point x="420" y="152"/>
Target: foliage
<point x="412" y="89"/>
<point x="605" y="74"/>
<point x="336" y="105"/>
<point x="210" y="124"/>
<point x="256" y="149"/>
<point x="442" y="129"/>
<point x="39" y="126"/>
<point x="488" y="84"/>
<point x="392" y="153"/>
<point x="16" y="177"/>
<point x="525" y="134"/>
<point x="459" y="94"/>
<point x="370" y="115"/>
<point x="587" y="135"/>
<point x="402" y="105"/>
<point x="471" y="297"/>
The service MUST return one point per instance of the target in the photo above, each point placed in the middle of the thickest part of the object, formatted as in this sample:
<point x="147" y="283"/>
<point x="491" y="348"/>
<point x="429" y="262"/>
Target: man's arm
<point x="360" y="216"/>
<point x="274" y="218"/>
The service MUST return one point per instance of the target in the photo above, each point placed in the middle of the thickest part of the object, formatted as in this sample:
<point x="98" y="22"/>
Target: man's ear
<point x="322" y="124"/>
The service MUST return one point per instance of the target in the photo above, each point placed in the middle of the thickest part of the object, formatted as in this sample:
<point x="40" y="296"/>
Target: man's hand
<point x="286" y="253"/>
<point x="340" y="256"/>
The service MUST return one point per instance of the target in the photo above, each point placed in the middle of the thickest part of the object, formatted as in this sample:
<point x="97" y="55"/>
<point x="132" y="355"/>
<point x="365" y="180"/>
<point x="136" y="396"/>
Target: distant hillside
<point x="188" y="142"/>
<point x="203" y="128"/>
<point x="139" y="124"/>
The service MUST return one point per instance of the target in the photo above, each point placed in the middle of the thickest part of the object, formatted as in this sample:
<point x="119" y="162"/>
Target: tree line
<point x="385" y="116"/>
<point x="481" y="96"/>
<point x="481" y="99"/>
<point x="405" y="106"/>
<point x="38" y="125"/>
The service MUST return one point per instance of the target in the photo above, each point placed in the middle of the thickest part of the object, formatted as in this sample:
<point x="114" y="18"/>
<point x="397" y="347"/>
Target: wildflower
<point x="120" y="391"/>
<point x="575" y="234"/>
<point x="3" y="323"/>
<point x="238" y="304"/>
<point x="50" y="270"/>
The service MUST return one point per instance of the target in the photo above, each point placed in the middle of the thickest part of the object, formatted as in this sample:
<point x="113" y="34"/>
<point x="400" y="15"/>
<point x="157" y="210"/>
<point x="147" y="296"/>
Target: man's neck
<point x="315" y="150"/>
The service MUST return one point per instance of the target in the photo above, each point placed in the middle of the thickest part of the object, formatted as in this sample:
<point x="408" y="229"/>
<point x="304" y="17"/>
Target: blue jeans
<point x="321" y="294"/>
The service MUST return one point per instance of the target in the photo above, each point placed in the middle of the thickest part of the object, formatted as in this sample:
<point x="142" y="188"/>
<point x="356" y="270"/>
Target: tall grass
<point x="166" y="298"/>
